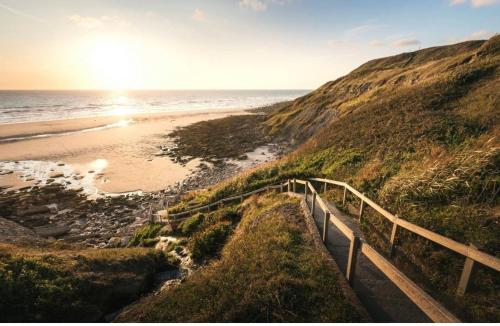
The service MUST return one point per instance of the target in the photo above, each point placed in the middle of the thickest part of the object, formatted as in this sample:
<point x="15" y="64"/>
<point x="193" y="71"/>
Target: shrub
<point x="210" y="241"/>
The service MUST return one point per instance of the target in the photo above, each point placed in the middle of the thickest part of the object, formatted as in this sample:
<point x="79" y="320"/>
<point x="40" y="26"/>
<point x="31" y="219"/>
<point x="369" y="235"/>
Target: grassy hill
<point x="55" y="284"/>
<point x="270" y="270"/>
<point x="419" y="133"/>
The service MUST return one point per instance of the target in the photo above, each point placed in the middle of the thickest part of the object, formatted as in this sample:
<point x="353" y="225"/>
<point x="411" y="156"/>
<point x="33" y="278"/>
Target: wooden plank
<point x="353" y="257"/>
<point x="435" y="311"/>
<point x="342" y="227"/>
<point x="313" y="204"/>
<point x="325" y="226"/>
<point x="466" y="275"/>
<point x="393" y="238"/>
<point x="361" y="206"/>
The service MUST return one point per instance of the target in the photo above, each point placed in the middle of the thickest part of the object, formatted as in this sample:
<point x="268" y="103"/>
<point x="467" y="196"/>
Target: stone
<point x="54" y="175"/>
<point x="115" y="242"/>
<point x="53" y="230"/>
<point x="34" y="210"/>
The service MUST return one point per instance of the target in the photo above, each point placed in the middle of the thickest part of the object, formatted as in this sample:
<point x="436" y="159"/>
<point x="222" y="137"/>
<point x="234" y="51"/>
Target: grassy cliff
<point x="418" y="133"/>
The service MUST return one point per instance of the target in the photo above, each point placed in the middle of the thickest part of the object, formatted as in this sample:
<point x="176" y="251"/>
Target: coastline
<point x="116" y="159"/>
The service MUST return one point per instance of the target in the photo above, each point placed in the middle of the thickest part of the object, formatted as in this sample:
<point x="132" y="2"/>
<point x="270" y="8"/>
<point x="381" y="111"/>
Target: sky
<point x="220" y="44"/>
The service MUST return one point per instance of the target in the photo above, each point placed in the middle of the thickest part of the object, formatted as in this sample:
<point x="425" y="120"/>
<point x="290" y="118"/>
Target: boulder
<point x="52" y="230"/>
<point x="34" y="210"/>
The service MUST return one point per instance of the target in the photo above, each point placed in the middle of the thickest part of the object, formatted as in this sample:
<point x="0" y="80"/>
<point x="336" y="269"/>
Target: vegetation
<point x="59" y="284"/>
<point x="418" y="133"/>
<point x="213" y="140"/>
<point x="269" y="271"/>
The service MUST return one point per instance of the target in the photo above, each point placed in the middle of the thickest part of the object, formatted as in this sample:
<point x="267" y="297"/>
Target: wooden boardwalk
<point x="384" y="301"/>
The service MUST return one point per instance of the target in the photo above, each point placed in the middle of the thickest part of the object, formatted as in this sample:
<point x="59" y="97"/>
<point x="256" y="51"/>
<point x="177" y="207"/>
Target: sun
<point x="114" y="64"/>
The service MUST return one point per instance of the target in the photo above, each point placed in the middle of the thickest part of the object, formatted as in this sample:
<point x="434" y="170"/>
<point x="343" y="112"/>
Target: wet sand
<point x="116" y="158"/>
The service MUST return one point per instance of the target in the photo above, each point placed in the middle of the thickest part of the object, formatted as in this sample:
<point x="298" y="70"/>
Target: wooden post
<point x="241" y="199"/>
<point x="289" y="186"/>
<point x="294" y="185"/>
<point x="281" y="188"/>
<point x="305" y="190"/>
<point x="325" y="226"/>
<point x="393" y="237"/>
<point x="466" y="274"/>
<point x="351" y="263"/>
<point x="324" y="188"/>
<point x="313" y="204"/>
<point x="361" y="209"/>
<point x="345" y="194"/>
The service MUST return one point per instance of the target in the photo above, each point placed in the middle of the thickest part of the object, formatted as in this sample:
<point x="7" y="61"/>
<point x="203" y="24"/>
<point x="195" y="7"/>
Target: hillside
<point x="419" y="133"/>
<point x="270" y="270"/>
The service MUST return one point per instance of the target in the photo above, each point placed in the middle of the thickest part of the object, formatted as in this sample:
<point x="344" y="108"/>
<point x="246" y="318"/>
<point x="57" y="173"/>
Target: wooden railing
<point x="433" y="309"/>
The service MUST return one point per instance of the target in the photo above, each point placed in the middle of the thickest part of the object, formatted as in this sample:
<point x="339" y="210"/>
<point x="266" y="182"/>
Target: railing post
<point x="466" y="274"/>
<point x="241" y="199"/>
<point x="325" y="226"/>
<point x="324" y="188"/>
<point x="289" y="185"/>
<point x="393" y="237"/>
<point x="351" y="263"/>
<point x="345" y="194"/>
<point x="281" y="187"/>
<point x="361" y="209"/>
<point x="294" y="185"/>
<point x="305" y="190"/>
<point x="313" y="204"/>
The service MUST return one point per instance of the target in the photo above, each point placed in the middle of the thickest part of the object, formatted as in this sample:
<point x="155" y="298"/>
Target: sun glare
<point x="114" y="64"/>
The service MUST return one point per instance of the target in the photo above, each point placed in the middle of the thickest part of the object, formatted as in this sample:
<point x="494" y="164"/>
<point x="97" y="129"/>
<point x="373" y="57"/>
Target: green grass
<point x="419" y="134"/>
<point x="269" y="271"/>
<point x="55" y="285"/>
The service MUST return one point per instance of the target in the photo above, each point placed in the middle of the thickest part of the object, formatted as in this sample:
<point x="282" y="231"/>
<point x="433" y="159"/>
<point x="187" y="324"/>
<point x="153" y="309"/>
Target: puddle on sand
<point x="41" y="173"/>
<point x="258" y="156"/>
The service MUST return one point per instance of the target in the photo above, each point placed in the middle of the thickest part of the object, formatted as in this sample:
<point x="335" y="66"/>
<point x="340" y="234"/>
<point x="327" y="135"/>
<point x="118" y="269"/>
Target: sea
<point x="30" y="106"/>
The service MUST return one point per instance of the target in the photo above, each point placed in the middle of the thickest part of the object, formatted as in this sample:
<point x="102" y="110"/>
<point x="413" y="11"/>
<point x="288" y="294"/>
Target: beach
<point x="111" y="154"/>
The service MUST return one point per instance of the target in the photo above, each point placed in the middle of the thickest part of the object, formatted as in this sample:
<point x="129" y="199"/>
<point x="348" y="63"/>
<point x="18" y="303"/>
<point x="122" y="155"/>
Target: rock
<point x="54" y="175"/>
<point x="243" y="157"/>
<point x="53" y="230"/>
<point x="115" y="242"/>
<point x="34" y="210"/>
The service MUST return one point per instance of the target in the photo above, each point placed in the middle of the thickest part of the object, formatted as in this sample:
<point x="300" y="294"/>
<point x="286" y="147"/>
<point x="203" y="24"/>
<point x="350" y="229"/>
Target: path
<point x="383" y="300"/>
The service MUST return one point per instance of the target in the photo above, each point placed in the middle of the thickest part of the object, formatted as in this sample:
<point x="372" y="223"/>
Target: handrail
<point x="425" y="302"/>
<point x="464" y="250"/>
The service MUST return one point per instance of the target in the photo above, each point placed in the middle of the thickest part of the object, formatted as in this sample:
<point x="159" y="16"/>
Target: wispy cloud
<point x="21" y="13"/>
<point x="475" y="3"/>
<point x="255" y="5"/>
<point x="261" y="5"/>
<point x="198" y="15"/>
<point x="407" y="42"/>
<point x="90" y="22"/>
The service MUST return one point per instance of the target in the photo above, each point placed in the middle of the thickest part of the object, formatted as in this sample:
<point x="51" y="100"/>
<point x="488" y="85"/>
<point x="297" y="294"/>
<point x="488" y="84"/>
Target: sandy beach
<point x="111" y="154"/>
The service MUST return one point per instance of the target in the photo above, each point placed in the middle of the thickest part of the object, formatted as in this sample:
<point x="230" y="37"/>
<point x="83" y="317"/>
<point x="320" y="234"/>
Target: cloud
<point x="363" y="29"/>
<point x="21" y="13"/>
<point x="255" y="5"/>
<point x="198" y="15"/>
<point x="262" y="5"/>
<point x="475" y="3"/>
<point x="89" y="22"/>
<point x="407" y="42"/>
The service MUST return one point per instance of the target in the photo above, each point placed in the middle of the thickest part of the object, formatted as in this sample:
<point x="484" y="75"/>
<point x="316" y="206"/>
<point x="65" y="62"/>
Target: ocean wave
<point x="121" y="123"/>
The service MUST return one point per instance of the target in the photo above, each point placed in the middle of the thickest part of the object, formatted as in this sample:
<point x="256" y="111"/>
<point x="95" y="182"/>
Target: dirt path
<point x="383" y="300"/>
